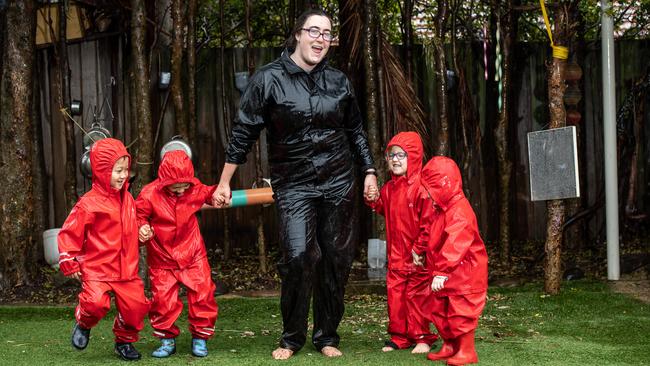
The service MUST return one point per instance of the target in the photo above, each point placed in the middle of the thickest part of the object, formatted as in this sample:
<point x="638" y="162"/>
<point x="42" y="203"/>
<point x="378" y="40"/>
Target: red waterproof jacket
<point x="100" y="236"/>
<point x="455" y="247"/>
<point x="177" y="240"/>
<point x="406" y="206"/>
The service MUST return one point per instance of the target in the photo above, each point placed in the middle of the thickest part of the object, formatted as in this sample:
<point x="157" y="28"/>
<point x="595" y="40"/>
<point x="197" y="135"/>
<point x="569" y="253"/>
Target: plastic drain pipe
<point x="609" y="134"/>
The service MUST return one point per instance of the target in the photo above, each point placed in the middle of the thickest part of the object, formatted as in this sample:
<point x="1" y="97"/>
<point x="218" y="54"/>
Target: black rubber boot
<point x="80" y="337"/>
<point x="127" y="352"/>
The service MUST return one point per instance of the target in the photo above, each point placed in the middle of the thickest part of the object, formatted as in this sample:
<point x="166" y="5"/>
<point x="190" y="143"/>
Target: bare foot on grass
<point x="282" y="353"/>
<point x="387" y="349"/>
<point x="329" y="351"/>
<point x="421" y="348"/>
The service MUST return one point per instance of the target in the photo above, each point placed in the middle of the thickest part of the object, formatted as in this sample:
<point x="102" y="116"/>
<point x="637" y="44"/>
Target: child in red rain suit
<point x="459" y="261"/>
<point x="407" y="209"/>
<point x="176" y="253"/>
<point x="98" y="245"/>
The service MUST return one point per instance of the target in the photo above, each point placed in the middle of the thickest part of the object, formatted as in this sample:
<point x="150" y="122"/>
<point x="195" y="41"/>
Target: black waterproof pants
<point x="318" y="236"/>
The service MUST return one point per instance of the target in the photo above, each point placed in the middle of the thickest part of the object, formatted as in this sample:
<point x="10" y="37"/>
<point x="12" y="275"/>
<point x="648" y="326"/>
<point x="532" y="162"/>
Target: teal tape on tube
<point x="238" y="198"/>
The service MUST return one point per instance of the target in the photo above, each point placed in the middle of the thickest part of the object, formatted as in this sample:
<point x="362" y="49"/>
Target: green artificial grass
<point x="585" y="325"/>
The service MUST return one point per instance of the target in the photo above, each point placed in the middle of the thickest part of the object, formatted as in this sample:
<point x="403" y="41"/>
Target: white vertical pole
<point x="609" y="133"/>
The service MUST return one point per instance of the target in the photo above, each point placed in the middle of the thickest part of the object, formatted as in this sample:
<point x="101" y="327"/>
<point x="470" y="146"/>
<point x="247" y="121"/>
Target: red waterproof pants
<point x="456" y="315"/>
<point x="167" y="306"/>
<point x="408" y="308"/>
<point x="132" y="306"/>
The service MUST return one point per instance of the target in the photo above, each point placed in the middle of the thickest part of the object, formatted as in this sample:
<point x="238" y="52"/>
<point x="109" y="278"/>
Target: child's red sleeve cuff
<point x="68" y="266"/>
<point x="438" y="273"/>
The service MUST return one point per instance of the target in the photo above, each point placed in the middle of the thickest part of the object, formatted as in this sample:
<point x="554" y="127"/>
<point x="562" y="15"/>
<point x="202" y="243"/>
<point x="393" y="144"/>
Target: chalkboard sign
<point x="553" y="158"/>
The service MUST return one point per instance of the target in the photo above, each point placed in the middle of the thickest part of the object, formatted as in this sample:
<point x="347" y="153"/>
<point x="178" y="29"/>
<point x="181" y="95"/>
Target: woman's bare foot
<point x="421" y="348"/>
<point x="282" y="353"/>
<point x="387" y="349"/>
<point x="329" y="351"/>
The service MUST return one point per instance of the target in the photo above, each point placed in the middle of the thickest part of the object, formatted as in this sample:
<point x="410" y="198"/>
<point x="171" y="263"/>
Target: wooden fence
<point x="100" y="76"/>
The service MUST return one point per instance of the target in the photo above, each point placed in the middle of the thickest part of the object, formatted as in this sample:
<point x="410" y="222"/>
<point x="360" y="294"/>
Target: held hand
<point x="76" y="276"/>
<point x="418" y="260"/>
<point x="221" y="196"/>
<point x="438" y="283"/>
<point x="372" y="195"/>
<point x="145" y="233"/>
<point x="370" y="190"/>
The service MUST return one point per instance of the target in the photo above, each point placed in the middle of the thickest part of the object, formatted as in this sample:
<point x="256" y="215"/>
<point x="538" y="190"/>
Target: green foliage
<point x="391" y="24"/>
<point x="585" y="325"/>
<point x="270" y="23"/>
<point x="631" y="20"/>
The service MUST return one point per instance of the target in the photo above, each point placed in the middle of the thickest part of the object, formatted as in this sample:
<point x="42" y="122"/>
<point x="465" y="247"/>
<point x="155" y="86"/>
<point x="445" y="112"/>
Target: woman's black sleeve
<point x="248" y="123"/>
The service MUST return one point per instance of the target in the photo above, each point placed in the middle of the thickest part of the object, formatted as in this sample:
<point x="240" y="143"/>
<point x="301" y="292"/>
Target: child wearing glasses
<point x="408" y="211"/>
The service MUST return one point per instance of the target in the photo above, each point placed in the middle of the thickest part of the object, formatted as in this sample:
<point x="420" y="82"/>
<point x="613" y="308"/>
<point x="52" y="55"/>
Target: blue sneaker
<point x="167" y="348"/>
<point x="80" y="337"/>
<point x="199" y="347"/>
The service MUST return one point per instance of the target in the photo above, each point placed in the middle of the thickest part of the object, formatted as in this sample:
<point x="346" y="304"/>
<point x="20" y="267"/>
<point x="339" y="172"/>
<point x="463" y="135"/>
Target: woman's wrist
<point x="371" y="171"/>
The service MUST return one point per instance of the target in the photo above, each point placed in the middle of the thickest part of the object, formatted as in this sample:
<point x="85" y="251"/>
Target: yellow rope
<point x="559" y="52"/>
<point x="64" y="111"/>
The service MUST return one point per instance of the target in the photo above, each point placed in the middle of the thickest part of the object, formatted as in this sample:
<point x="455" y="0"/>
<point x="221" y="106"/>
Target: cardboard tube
<point x="249" y="197"/>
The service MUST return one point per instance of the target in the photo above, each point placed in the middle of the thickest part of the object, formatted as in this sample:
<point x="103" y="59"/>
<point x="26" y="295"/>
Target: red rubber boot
<point x="466" y="351"/>
<point x="447" y="350"/>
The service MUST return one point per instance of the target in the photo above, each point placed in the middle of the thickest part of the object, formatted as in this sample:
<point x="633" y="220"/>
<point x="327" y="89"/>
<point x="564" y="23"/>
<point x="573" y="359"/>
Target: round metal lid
<point x="176" y="144"/>
<point x="95" y="133"/>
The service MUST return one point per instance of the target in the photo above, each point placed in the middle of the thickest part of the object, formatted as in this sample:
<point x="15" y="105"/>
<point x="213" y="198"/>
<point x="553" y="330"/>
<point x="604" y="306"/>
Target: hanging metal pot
<point x="176" y="143"/>
<point x="95" y="133"/>
<point x="84" y="164"/>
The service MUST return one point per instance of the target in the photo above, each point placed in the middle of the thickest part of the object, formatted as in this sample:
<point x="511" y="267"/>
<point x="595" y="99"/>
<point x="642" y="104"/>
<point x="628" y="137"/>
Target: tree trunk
<point x="261" y="241"/>
<point x="224" y="127"/>
<point x="178" y="20"/>
<point x="291" y="15"/>
<point x="372" y="103"/>
<point x="630" y="202"/>
<point x="502" y="131"/>
<point x="41" y="209"/>
<point x="191" y="70"/>
<point x="250" y="62"/>
<point x="471" y="161"/>
<point x="637" y="115"/>
<point x="16" y="133"/>
<point x="575" y="235"/>
<point x="351" y="19"/>
<point x="142" y="85"/>
<point x="407" y="38"/>
<point x="555" y="208"/>
<point x="297" y="7"/>
<point x="141" y="91"/>
<point x="439" y="34"/>
<point x="63" y="101"/>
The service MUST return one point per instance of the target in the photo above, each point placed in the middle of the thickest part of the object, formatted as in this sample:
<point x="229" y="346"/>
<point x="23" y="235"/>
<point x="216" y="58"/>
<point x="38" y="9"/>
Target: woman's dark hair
<point x="290" y="43"/>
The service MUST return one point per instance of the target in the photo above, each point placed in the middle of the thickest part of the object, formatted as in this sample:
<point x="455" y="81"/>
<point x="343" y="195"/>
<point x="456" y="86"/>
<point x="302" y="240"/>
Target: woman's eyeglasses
<point x="399" y="155"/>
<point x="315" y="33"/>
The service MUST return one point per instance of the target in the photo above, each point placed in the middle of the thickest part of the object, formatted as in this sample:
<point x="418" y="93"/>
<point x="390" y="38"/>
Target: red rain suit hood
<point x="405" y="205"/>
<point x="455" y="244"/>
<point x="100" y="236"/>
<point x="177" y="240"/>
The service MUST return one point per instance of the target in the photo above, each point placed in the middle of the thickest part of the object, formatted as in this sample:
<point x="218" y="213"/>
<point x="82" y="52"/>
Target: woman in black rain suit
<point x="315" y="131"/>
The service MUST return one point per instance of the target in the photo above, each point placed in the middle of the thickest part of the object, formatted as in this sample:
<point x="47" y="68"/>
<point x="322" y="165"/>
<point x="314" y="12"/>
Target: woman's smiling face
<point x="310" y="51"/>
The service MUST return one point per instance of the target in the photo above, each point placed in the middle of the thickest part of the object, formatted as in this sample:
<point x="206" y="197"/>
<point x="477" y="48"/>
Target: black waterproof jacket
<point x="313" y="121"/>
